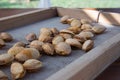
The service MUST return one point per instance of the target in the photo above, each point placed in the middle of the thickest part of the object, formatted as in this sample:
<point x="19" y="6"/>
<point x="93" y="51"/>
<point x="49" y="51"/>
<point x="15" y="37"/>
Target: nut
<point x="75" y="30"/>
<point x="64" y="19"/>
<point x="75" y="23"/>
<point x="57" y="39"/>
<point x="74" y="43"/>
<point x="86" y="26"/>
<point x="37" y="45"/>
<point x="65" y="35"/>
<point x="88" y="45"/>
<point x="67" y="31"/>
<point x="2" y="43"/>
<point x="48" y="48"/>
<point x="32" y="65"/>
<point x="44" y="38"/>
<point x="99" y="28"/>
<point x="85" y="21"/>
<point x="6" y="36"/>
<point x="3" y="76"/>
<point x="15" y="50"/>
<point x="17" y="70"/>
<point x="70" y="20"/>
<point x="6" y="58"/>
<point x="63" y="48"/>
<point x="54" y="31"/>
<point x="19" y="44"/>
<point x="86" y="34"/>
<point x="80" y="39"/>
<point x="30" y="37"/>
<point x="45" y="31"/>
<point x="27" y="53"/>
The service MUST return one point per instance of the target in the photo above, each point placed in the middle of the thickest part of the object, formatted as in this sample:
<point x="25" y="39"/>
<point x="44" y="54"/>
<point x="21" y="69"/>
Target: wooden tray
<point x="77" y="66"/>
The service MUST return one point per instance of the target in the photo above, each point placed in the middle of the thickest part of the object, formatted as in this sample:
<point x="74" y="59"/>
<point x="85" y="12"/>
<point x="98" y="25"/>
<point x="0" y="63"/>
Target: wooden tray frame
<point x="88" y="66"/>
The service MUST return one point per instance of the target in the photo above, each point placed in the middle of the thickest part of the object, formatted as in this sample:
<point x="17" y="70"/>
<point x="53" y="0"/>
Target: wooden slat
<point x="91" y="64"/>
<point x="26" y="18"/>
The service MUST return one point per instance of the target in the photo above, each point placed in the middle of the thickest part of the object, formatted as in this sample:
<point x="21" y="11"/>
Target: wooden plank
<point x="110" y="18"/>
<point x="79" y="13"/>
<point x="26" y="18"/>
<point x="91" y="64"/>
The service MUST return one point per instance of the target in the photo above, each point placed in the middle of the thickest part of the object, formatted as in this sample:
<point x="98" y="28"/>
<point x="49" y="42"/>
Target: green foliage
<point x="63" y="3"/>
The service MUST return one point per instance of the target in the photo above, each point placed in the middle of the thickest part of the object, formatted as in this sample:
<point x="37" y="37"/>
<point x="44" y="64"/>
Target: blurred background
<point x="61" y="3"/>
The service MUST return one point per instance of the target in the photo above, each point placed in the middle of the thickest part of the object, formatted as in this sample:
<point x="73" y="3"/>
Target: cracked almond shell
<point x="48" y="48"/>
<point x="6" y="58"/>
<point x="32" y="65"/>
<point x="6" y="36"/>
<point x="30" y="37"/>
<point x="54" y="31"/>
<point x="63" y="49"/>
<point x="98" y="29"/>
<point x="37" y="45"/>
<point x="75" y="23"/>
<point x="88" y="45"/>
<point x="17" y="70"/>
<point x="64" y="19"/>
<point x="27" y="53"/>
<point x="86" y="26"/>
<point x="75" y="30"/>
<point x="86" y="34"/>
<point x="15" y="50"/>
<point x="2" y="43"/>
<point x="80" y="39"/>
<point x="57" y="39"/>
<point x="44" y="38"/>
<point x="74" y="43"/>
<point x="46" y="31"/>
<point x="65" y="35"/>
<point x="3" y="76"/>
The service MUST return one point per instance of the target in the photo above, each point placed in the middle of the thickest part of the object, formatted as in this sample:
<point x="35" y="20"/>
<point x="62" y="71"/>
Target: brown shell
<point x="75" y="30"/>
<point x="75" y="23"/>
<point x="63" y="48"/>
<point x="70" y="20"/>
<point x="86" y="26"/>
<point x="28" y="53"/>
<point x="15" y="50"/>
<point x="44" y="38"/>
<point x="67" y="31"/>
<point x="19" y="44"/>
<point x="86" y="34"/>
<point x="57" y="39"/>
<point x="32" y="65"/>
<point x="2" y="43"/>
<point x="98" y="29"/>
<point x="36" y="44"/>
<point x="17" y="70"/>
<point x="6" y="36"/>
<point x="64" y="19"/>
<point x="30" y="37"/>
<point x="48" y="48"/>
<point x="3" y="76"/>
<point x="80" y="39"/>
<point x="88" y="45"/>
<point x="45" y="31"/>
<point x="85" y="21"/>
<point x="65" y="35"/>
<point x="54" y="31"/>
<point x="6" y="59"/>
<point x="74" y="43"/>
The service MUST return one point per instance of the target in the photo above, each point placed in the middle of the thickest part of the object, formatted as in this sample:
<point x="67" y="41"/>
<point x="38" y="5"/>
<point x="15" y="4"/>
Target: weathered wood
<point x="92" y="63"/>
